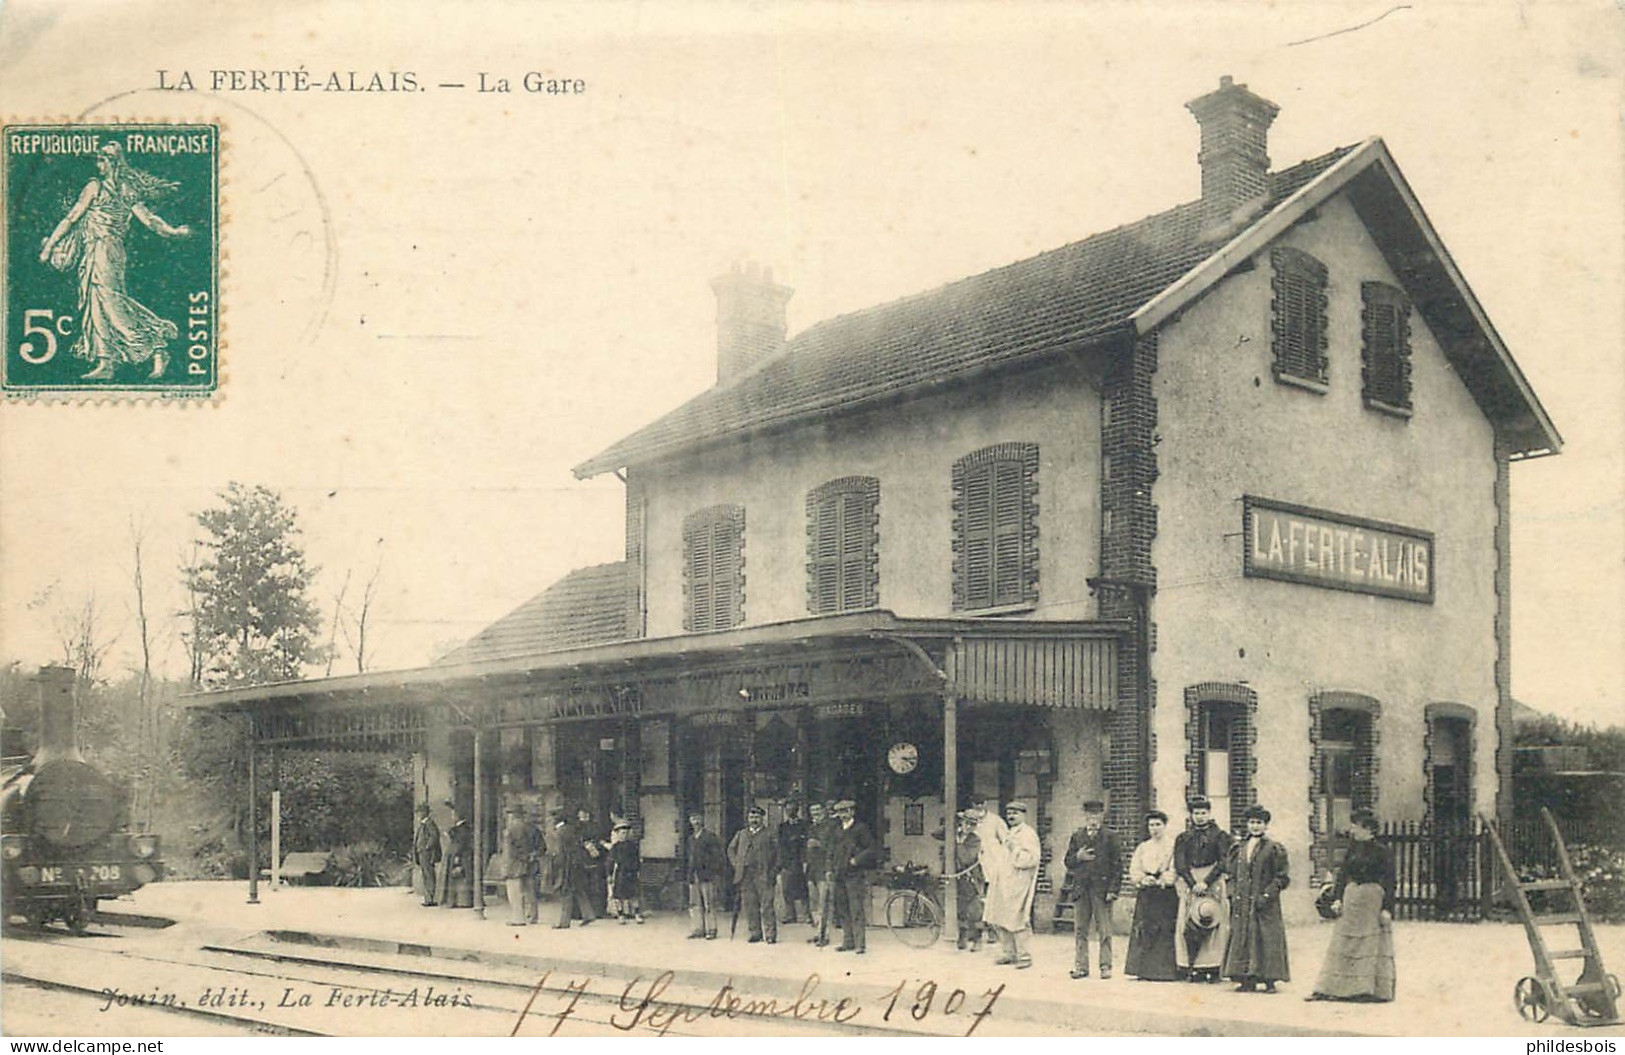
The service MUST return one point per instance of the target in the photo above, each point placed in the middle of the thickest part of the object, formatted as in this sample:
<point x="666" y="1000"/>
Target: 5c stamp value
<point x="111" y="259"/>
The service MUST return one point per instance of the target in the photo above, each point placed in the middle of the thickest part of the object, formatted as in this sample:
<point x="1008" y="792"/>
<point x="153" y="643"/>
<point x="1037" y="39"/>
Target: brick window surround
<point x="1360" y="716"/>
<point x="843" y="528"/>
<point x="714" y="568"/>
<point x="1385" y="348"/>
<point x="995" y="527"/>
<point x="1298" y="318"/>
<point x="1243" y="704"/>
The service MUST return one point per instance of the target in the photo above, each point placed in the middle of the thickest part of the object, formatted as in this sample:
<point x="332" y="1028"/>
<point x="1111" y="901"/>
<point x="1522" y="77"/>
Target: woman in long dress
<point x="1360" y="959"/>
<point x="1156" y="904"/>
<point x="113" y="326"/>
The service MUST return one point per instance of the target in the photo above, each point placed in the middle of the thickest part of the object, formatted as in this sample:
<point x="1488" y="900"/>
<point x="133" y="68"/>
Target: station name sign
<point x="1318" y="548"/>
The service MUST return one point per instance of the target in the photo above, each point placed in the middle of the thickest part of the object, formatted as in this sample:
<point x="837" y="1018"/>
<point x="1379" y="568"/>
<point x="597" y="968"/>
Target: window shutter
<point x="1298" y="315"/>
<point x="1385" y="348"/>
<point x="714" y="539"/>
<point x="854" y="549"/>
<point x="841" y="544"/>
<point x="996" y="527"/>
<point x="978" y="530"/>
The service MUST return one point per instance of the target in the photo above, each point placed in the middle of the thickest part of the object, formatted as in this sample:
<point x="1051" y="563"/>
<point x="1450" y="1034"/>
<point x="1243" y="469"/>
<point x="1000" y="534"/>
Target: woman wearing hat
<point x="1156" y="904"/>
<point x="625" y="861"/>
<point x="1256" y="954"/>
<point x="1200" y="853"/>
<point x="1360" y="959"/>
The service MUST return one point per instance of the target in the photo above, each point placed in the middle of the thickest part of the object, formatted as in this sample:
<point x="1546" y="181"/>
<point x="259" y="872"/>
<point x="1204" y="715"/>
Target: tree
<point x="254" y="621"/>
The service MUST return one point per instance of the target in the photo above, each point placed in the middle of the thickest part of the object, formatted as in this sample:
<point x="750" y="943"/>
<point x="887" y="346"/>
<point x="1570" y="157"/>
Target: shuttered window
<point x="996" y="527"/>
<point x="1298" y="316"/>
<point x="1385" y="348"/>
<point x="714" y="568"/>
<point x="842" y="532"/>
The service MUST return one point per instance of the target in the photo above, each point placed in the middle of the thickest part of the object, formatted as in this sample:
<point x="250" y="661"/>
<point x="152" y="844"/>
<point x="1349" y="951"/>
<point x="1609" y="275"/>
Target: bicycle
<point x="912" y="912"/>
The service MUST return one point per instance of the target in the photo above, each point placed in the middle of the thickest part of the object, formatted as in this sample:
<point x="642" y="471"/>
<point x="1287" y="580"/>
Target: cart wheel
<point x="1530" y="997"/>
<point x="1613" y="985"/>
<point x="35" y="913"/>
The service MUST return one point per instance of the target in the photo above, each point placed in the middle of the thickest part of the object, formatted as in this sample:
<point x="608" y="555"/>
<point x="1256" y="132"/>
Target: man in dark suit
<point x="1095" y="863"/>
<point x="574" y="875"/>
<point x="704" y="867"/>
<point x="426" y="852"/>
<point x="855" y="855"/>
<point x="754" y="854"/>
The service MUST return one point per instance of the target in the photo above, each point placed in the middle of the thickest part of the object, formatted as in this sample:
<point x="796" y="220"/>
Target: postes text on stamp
<point x="111" y="259"/>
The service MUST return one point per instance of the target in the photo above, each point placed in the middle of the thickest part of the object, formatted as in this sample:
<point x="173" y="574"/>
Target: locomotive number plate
<point x="85" y="874"/>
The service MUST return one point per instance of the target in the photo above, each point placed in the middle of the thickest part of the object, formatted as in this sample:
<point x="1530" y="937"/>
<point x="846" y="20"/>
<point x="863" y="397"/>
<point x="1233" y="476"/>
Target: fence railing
<point x="1448" y="872"/>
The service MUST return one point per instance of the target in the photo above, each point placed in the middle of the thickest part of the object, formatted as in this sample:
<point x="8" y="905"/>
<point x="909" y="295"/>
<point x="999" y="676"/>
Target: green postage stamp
<point x="111" y="264"/>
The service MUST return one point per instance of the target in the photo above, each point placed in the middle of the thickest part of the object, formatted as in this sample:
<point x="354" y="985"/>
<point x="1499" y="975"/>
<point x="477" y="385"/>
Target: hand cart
<point x="1592" y="999"/>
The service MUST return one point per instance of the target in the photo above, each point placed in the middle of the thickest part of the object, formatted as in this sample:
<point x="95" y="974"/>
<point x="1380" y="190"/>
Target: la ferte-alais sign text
<point x="1318" y="548"/>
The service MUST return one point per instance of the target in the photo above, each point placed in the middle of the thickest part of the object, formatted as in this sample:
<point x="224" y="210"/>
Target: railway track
<point x="267" y="988"/>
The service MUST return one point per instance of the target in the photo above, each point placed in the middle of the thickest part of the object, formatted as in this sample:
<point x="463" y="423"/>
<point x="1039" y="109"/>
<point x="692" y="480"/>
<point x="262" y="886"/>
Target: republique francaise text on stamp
<point x="111" y="259"/>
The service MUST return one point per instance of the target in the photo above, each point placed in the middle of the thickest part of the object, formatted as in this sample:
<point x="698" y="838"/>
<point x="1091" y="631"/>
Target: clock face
<point x="903" y="758"/>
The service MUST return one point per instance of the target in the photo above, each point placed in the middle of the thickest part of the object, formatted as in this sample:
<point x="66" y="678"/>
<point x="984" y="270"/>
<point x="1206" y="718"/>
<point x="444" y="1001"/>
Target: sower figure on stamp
<point x="113" y="326"/>
<point x="1256" y="953"/>
<point x="1095" y="865"/>
<point x="426" y="853"/>
<point x="820" y="839"/>
<point x="1011" y="863"/>
<point x="754" y="854"/>
<point x="1204" y="917"/>
<point x="855" y="854"/>
<point x="705" y="864"/>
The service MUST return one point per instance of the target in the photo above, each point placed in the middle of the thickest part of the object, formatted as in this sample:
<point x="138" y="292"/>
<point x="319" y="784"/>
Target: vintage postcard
<point x="792" y="519"/>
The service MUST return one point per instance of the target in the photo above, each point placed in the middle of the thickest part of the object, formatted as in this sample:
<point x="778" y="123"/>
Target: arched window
<point x="842" y="531"/>
<point x="995" y="536"/>
<point x="714" y="568"/>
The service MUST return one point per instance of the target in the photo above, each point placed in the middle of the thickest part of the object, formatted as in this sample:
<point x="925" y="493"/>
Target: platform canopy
<point x="828" y="660"/>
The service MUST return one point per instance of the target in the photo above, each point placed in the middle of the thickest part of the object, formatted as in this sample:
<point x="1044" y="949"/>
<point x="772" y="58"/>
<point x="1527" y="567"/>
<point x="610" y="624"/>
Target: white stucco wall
<point x="911" y="449"/>
<point x="1228" y="429"/>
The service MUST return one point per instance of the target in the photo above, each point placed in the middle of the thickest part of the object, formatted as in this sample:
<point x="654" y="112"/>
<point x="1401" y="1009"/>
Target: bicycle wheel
<point x="914" y="918"/>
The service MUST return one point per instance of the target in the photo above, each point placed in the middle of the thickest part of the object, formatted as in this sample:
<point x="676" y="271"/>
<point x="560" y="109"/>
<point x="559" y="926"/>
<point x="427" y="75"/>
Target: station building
<point x="1212" y="503"/>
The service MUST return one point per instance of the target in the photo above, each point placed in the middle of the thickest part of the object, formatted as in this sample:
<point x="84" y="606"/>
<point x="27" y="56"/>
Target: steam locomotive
<point x="65" y="841"/>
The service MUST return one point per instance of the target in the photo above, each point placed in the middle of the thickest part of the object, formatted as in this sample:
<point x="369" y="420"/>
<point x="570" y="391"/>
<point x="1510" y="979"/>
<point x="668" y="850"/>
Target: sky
<point x="435" y="303"/>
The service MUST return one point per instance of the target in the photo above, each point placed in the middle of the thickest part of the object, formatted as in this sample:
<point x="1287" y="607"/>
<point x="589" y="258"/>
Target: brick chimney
<point x="750" y="318"/>
<point x="1235" y="149"/>
<point x="58" y="719"/>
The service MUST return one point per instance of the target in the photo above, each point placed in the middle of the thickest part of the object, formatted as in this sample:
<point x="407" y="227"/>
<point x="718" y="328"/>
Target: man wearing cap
<point x="856" y="853"/>
<point x="625" y="862"/>
<point x="1095" y="864"/>
<point x="1199" y="858"/>
<point x="574" y="874"/>
<point x="1256" y="953"/>
<point x="426" y="852"/>
<point x="968" y="879"/>
<point x="1011" y="881"/>
<point x="513" y="864"/>
<point x="705" y="864"/>
<point x="754" y="853"/>
<point x="820" y="838"/>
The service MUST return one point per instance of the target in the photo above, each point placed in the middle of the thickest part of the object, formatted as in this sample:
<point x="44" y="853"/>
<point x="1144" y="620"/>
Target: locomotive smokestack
<point x="58" y="718"/>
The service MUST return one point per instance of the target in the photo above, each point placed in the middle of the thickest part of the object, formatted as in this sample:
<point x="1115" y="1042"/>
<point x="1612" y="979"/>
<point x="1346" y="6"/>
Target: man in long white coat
<point x="1010" y="857"/>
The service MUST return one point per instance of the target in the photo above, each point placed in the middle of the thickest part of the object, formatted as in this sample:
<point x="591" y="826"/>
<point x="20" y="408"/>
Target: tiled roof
<point x="586" y="607"/>
<point x="1074" y="293"/>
